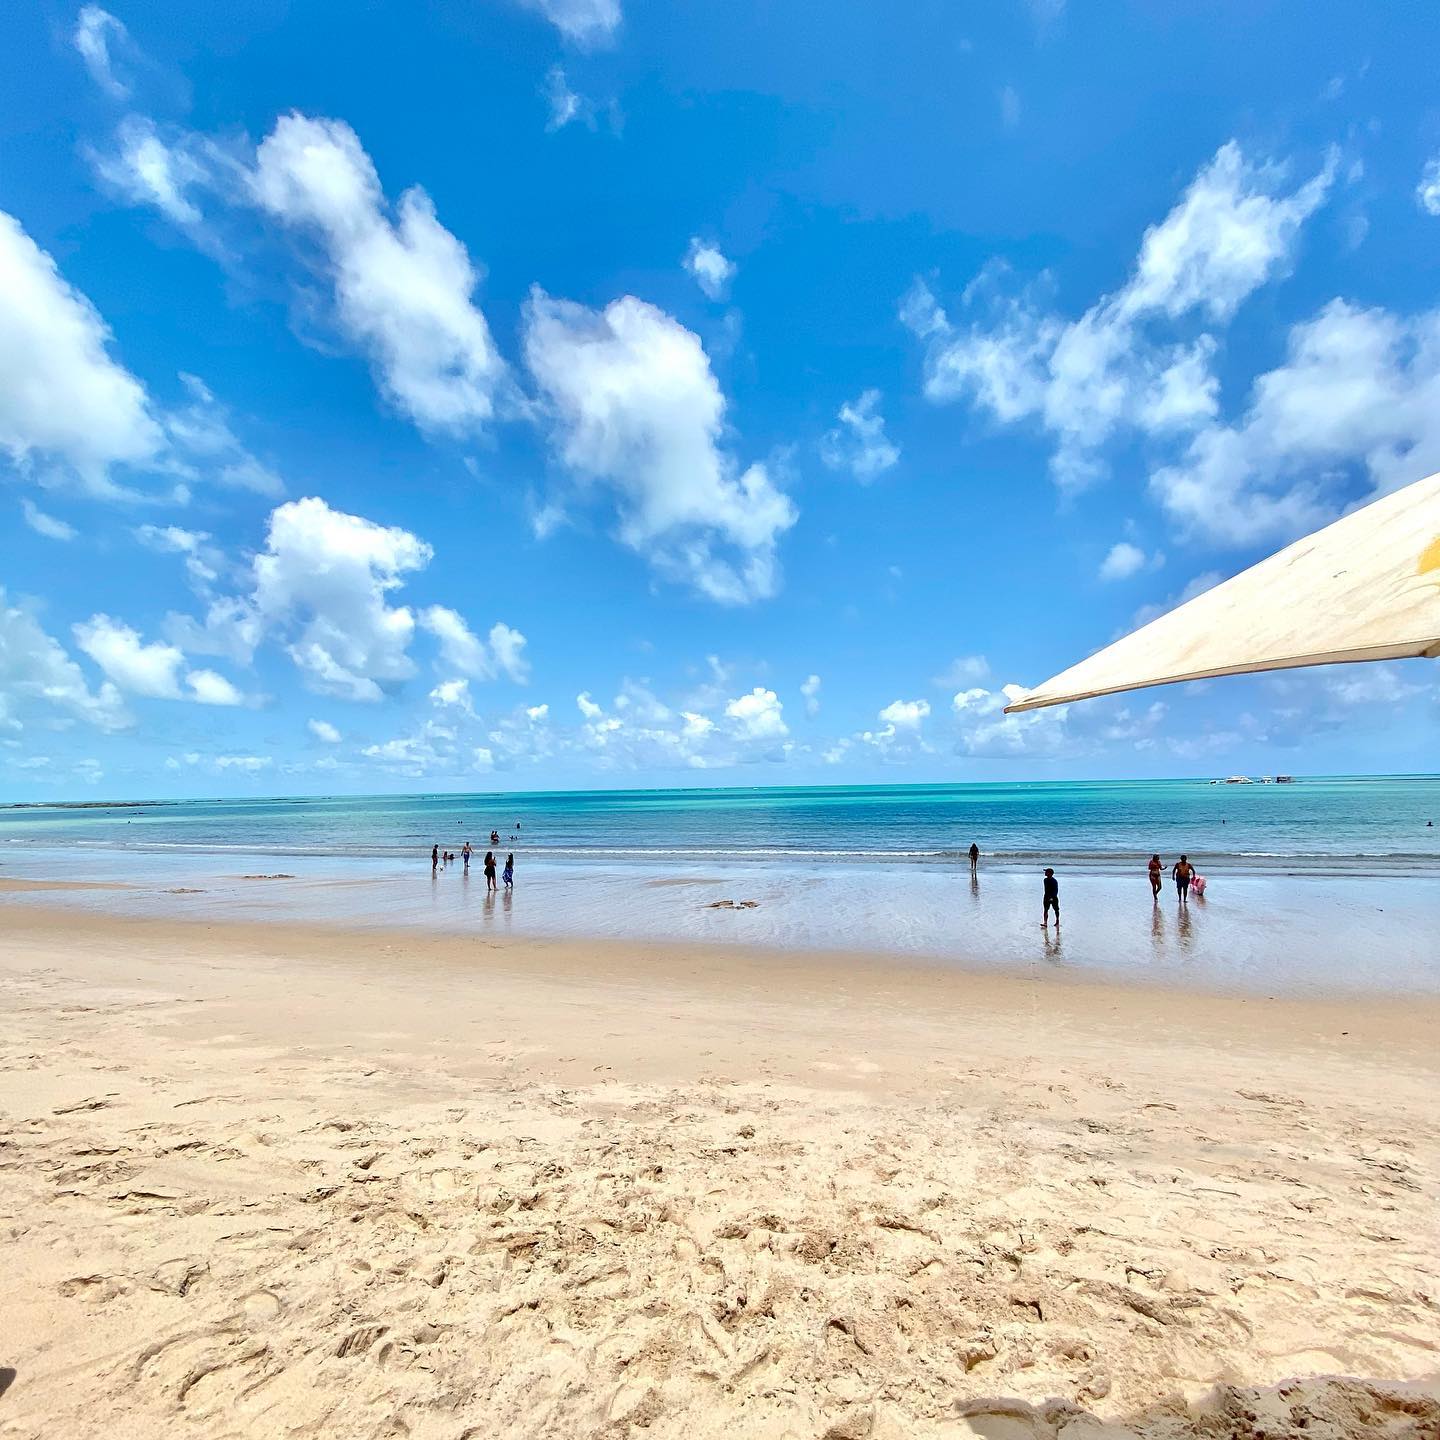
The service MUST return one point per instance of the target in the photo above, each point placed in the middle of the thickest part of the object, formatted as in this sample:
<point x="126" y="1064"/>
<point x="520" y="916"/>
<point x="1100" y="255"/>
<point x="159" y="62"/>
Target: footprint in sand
<point x="261" y="1305"/>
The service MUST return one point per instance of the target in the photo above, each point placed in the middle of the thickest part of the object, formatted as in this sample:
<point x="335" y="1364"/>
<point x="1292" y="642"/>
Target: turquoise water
<point x="1365" y="825"/>
<point x="1330" y="885"/>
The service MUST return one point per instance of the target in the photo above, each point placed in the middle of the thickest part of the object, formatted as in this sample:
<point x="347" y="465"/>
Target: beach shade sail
<point x="1365" y="588"/>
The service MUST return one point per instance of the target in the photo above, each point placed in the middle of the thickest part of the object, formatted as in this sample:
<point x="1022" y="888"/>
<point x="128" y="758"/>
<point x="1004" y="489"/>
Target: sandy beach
<point x="264" y="1181"/>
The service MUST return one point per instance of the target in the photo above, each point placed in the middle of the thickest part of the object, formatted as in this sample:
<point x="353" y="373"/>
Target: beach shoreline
<point x="265" y="1176"/>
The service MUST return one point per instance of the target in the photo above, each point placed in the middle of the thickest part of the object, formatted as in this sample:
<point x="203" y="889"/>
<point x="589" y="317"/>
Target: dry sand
<point x="273" y="1182"/>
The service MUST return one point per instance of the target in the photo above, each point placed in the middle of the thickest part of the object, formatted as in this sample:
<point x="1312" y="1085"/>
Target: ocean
<point x="1321" y="885"/>
<point x="1360" y="825"/>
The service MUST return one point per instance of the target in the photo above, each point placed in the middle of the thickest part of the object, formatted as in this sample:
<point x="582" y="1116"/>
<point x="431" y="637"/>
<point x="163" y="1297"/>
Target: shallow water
<point x="1266" y="933"/>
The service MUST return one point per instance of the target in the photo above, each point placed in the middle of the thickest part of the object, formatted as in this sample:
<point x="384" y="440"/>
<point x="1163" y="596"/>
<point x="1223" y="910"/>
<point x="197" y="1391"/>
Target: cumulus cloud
<point x="96" y="32"/>
<point x="905" y="714"/>
<point x="636" y="406"/>
<point x="1427" y="192"/>
<point x="859" y="443"/>
<point x="758" y="715"/>
<point x="207" y="687"/>
<point x="43" y="524"/>
<point x="40" y="682"/>
<point x="810" y="689"/>
<point x="63" y="397"/>
<point x="402" y="286"/>
<point x="1125" y="559"/>
<point x="323" y="580"/>
<point x="324" y="731"/>
<point x="712" y="272"/>
<point x="462" y="650"/>
<point x="586" y="23"/>
<point x="1085" y="380"/>
<point x="152" y="670"/>
<point x="1358" y="393"/>
<point x="142" y="669"/>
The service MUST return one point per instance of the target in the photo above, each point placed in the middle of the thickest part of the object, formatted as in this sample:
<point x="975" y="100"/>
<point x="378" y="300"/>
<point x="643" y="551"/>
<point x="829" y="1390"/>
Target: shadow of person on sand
<point x="7" y="1379"/>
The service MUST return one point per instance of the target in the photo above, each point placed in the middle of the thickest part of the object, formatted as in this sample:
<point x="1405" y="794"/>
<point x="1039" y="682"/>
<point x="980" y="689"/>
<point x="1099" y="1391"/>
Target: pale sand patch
<point x="14" y="885"/>
<point x="261" y="1181"/>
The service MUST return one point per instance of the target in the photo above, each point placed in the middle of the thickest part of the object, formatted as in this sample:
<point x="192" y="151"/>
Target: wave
<point x="1337" y="860"/>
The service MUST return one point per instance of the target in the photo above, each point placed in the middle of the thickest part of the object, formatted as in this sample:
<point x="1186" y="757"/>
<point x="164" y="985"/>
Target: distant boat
<point x="1238" y="780"/>
<point x="1284" y="779"/>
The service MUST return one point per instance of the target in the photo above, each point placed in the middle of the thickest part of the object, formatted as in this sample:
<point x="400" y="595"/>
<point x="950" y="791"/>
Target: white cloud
<point x="587" y="707"/>
<point x="636" y="405"/>
<point x="95" y="31"/>
<point x="250" y="764"/>
<point x="152" y="670"/>
<point x="208" y="688"/>
<point x="583" y="22"/>
<point x="39" y="680"/>
<point x="1207" y="580"/>
<point x="232" y="626"/>
<point x="1367" y="685"/>
<point x="200" y="433"/>
<point x="759" y="715"/>
<point x="810" y="689"/>
<point x="1085" y="380"/>
<point x="323" y="578"/>
<point x="1427" y="192"/>
<point x="905" y="714"/>
<point x="202" y="560"/>
<point x="1229" y="234"/>
<point x="62" y="397"/>
<point x="462" y="650"/>
<point x="962" y="671"/>
<point x="142" y="669"/>
<point x="402" y="287"/>
<point x="1124" y="560"/>
<point x="43" y="524"/>
<point x="453" y="693"/>
<point x="324" y="731"/>
<point x="565" y="105"/>
<point x="859" y="443"/>
<point x="144" y="169"/>
<point x="536" y="714"/>
<point x="1359" y="391"/>
<point x="508" y="645"/>
<point x="712" y="272"/>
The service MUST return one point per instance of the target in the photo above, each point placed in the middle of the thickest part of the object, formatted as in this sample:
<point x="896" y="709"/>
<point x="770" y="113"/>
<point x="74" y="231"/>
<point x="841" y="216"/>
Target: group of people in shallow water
<point x="1182" y="872"/>
<point x="440" y="857"/>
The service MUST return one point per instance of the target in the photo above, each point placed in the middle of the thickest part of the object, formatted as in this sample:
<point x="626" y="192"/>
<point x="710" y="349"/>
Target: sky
<point x="544" y="394"/>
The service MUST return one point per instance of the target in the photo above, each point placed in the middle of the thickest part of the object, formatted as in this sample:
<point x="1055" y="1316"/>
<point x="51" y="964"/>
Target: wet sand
<point x="265" y="1180"/>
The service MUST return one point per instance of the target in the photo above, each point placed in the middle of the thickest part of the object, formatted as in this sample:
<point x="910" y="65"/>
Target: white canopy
<point x="1365" y="588"/>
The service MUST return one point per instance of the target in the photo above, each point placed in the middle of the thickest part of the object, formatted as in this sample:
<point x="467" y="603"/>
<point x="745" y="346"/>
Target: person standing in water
<point x="509" y="874"/>
<point x="490" y="870"/>
<point x="974" y="856"/>
<point x="1052" y="900"/>
<point x="465" y="853"/>
<point x="1155" y="868"/>
<point x="1184" y="873"/>
<point x="434" y="858"/>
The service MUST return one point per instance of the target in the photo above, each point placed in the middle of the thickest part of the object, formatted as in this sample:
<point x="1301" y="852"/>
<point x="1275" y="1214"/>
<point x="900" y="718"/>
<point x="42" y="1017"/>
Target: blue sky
<point x="545" y="393"/>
